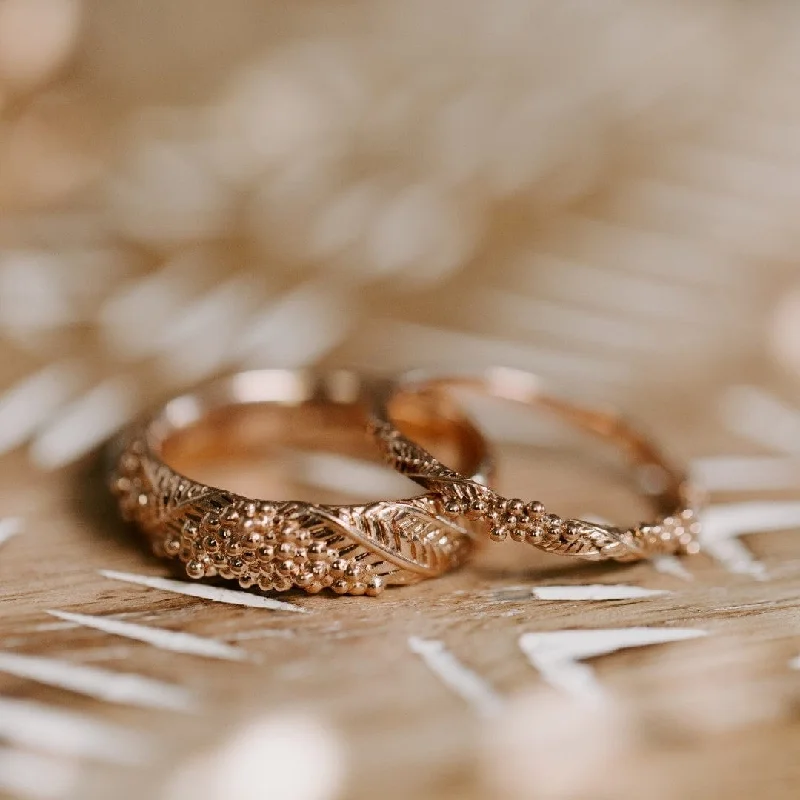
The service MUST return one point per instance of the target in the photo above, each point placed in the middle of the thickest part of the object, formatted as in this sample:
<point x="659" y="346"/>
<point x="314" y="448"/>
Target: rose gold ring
<point x="674" y="498"/>
<point x="353" y="549"/>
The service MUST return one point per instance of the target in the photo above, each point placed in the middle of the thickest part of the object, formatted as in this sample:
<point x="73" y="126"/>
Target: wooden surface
<point x="640" y="246"/>
<point x="707" y="717"/>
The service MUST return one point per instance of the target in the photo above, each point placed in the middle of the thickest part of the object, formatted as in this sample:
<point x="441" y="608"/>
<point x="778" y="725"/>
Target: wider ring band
<point x="674" y="532"/>
<point x="354" y="549"/>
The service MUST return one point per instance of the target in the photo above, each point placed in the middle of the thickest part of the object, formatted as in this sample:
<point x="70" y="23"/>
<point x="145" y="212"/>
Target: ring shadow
<point x="94" y="504"/>
<point x="585" y="570"/>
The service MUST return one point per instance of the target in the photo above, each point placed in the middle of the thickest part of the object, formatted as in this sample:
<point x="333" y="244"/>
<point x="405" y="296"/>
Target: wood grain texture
<point x="624" y="221"/>
<point x="348" y="660"/>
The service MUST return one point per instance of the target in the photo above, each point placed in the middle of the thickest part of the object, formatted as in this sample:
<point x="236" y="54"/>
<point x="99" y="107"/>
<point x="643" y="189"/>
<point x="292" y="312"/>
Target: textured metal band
<point x="353" y="549"/>
<point x="674" y="532"/>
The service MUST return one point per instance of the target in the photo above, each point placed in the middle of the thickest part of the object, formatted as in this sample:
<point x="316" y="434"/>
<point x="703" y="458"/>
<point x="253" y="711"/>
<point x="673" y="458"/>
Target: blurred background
<point x="606" y="193"/>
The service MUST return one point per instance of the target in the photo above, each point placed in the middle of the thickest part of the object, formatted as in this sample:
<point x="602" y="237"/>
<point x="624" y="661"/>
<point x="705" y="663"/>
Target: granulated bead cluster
<point x="255" y="543"/>
<point x="529" y="522"/>
<point x="258" y="544"/>
<point x="677" y="533"/>
<point x="514" y="519"/>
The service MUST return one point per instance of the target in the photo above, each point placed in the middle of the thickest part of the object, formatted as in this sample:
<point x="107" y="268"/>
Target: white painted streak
<point x="595" y="591"/>
<point x="297" y="328"/>
<point x="262" y="633"/>
<point x="24" y="408"/>
<point x="9" y="527"/>
<point x="340" y="473"/>
<point x="61" y="732"/>
<point x="756" y="414"/>
<point x="117" y="653"/>
<point x="795" y="663"/>
<point x="101" y="684"/>
<point x="736" y="558"/>
<point x="84" y="424"/>
<point x="483" y="699"/>
<point x="430" y="347"/>
<point x="34" y="294"/>
<point x="200" y="338"/>
<point x="723" y="523"/>
<point x="37" y="777"/>
<point x="174" y="641"/>
<point x="612" y="290"/>
<point x="303" y="756"/>
<point x="509" y="593"/>
<point x="213" y="593"/>
<point x="672" y="565"/>
<point x="132" y="320"/>
<point x="569" y="322"/>
<point x="729" y="520"/>
<point x="557" y="654"/>
<point x="53" y="626"/>
<point x="746" y="473"/>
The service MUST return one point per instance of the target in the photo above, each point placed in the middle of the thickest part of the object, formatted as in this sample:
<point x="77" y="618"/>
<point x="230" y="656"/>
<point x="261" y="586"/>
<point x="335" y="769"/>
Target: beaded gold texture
<point x="675" y="533"/>
<point x="352" y="549"/>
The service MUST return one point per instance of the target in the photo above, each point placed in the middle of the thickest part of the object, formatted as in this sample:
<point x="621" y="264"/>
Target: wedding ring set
<point x="361" y="549"/>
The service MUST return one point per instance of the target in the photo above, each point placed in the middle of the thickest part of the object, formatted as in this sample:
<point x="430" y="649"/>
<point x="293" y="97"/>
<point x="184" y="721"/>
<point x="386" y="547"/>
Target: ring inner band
<point x="248" y="419"/>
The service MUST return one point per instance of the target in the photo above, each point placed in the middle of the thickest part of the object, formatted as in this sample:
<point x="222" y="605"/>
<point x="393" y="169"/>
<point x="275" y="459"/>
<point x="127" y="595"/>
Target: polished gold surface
<point x="674" y="532"/>
<point x="273" y="544"/>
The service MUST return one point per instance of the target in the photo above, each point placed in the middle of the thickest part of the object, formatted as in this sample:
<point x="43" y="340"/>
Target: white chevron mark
<point x="174" y="641"/>
<point x="84" y="424"/>
<point x="556" y="654"/>
<point x="36" y="777"/>
<point x="61" y="732"/>
<point x="31" y="403"/>
<point x="9" y="527"/>
<point x="213" y="593"/>
<point x="460" y="679"/>
<point x="595" y="591"/>
<point x="722" y="524"/>
<point x="101" y="684"/>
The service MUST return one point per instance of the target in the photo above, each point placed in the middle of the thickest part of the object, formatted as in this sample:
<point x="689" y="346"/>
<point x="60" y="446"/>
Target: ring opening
<point x="302" y="436"/>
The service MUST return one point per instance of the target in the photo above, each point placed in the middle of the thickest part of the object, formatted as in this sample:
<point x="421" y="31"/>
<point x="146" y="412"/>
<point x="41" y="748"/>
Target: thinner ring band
<point x="675" y="499"/>
<point x="353" y="549"/>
